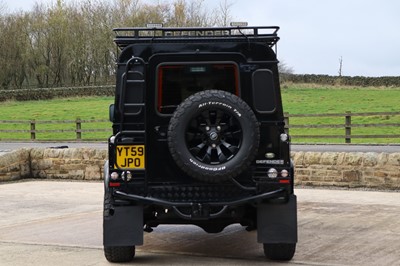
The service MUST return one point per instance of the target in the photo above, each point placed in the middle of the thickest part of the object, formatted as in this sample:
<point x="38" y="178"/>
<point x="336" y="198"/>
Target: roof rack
<point x="126" y="36"/>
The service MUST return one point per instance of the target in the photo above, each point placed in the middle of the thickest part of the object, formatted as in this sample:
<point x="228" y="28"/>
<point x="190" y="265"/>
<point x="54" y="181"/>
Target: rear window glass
<point x="177" y="82"/>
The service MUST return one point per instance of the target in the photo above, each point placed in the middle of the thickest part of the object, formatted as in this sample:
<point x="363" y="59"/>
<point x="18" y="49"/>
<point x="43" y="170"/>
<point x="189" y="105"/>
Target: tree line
<point x="71" y="44"/>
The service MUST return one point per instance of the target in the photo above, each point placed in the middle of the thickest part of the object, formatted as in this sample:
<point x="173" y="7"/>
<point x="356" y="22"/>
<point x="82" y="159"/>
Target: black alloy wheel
<point x="214" y="136"/>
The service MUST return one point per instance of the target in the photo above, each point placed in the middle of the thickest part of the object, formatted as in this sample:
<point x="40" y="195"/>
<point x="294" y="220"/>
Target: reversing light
<point x="284" y="137"/>
<point x="284" y="173"/>
<point x="272" y="173"/>
<point x="114" y="176"/>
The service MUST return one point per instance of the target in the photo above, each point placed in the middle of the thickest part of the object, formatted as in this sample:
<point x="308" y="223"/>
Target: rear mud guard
<point x="277" y="223"/>
<point x="124" y="227"/>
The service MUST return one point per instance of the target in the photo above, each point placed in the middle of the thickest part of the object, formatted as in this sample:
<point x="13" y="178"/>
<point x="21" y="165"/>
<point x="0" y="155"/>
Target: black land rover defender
<point x="198" y="138"/>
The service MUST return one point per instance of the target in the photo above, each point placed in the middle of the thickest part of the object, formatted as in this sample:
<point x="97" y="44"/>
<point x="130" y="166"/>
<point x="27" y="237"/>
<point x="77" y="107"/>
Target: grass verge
<point x="297" y="99"/>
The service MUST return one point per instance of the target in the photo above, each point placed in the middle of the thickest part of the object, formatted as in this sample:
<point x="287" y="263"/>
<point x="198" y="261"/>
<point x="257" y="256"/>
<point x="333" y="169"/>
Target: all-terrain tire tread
<point x="119" y="254"/>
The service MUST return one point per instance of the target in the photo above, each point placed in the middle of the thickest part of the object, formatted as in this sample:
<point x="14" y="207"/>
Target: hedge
<point x="356" y="81"/>
<point x="50" y="93"/>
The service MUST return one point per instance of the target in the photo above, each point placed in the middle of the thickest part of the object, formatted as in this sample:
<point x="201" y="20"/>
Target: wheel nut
<point x="207" y="128"/>
<point x="218" y="128"/>
<point x="213" y="145"/>
<point x="213" y="136"/>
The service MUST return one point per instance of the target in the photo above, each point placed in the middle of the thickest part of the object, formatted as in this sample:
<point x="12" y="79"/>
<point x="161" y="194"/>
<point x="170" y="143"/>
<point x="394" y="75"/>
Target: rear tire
<point x="119" y="254"/>
<point x="213" y="136"/>
<point x="114" y="254"/>
<point x="281" y="251"/>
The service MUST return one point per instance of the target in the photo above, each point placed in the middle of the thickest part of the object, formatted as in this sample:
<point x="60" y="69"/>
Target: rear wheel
<point x="114" y="254"/>
<point x="119" y="254"/>
<point x="281" y="251"/>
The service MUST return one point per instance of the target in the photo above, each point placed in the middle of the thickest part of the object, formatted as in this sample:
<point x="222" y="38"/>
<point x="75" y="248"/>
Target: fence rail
<point x="346" y="126"/>
<point x="33" y="131"/>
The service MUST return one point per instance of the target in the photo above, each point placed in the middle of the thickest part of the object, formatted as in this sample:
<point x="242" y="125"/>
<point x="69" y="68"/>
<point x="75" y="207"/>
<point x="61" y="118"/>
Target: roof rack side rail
<point x="127" y="35"/>
<point x="197" y="32"/>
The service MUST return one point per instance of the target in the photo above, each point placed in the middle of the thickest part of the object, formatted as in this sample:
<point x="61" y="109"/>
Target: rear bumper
<point x="200" y="211"/>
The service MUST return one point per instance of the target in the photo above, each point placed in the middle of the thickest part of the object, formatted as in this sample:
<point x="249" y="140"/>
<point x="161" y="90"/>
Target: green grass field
<point x="314" y="99"/>
<point x="298" y="99"/>
<point x="95" y="108"/>
<point x="310" y="99"/>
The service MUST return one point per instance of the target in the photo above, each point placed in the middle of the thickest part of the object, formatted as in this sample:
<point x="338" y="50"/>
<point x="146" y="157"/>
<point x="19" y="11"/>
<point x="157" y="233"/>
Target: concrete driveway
<point x="60" y="223"/>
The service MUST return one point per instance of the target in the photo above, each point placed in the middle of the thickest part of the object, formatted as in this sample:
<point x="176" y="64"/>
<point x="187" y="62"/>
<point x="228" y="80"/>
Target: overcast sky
<point x="315" y="34"/>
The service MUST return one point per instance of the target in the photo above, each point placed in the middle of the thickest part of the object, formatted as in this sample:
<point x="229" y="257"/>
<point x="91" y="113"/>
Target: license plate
<point x="130" y="156"/>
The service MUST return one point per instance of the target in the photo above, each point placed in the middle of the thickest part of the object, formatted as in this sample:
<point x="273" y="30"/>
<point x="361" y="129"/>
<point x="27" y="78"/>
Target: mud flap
<point x="277" y="222"/>
<point x="124" y="227"/>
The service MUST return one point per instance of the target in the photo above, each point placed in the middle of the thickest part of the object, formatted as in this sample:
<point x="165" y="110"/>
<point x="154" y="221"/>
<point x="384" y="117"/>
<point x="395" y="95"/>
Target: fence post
<point x="33" y="129"/>
<point x="286" y="120"/>
<point x="348" y="127"/>
<point x="78" y="129"/>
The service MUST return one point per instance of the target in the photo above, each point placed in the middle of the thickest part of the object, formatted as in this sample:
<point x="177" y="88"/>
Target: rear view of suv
<point x="198" y="138"/>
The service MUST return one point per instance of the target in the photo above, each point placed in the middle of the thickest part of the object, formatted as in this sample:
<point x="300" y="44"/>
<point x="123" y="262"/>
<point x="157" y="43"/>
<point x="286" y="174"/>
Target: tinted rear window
<point x="177" y="82"/>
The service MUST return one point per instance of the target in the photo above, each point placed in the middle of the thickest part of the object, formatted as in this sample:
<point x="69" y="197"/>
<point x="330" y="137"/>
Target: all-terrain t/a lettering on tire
<point x="213" y="135"/>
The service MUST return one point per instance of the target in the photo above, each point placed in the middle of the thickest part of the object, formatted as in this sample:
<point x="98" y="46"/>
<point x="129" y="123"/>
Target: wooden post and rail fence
<point x="34" y="131"/>
<point x="6" y="133"/>
<point x="347" y="126"/>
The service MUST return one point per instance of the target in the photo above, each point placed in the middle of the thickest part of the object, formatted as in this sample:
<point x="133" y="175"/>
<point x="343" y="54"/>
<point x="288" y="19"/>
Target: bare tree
<point x="340" y="66"/>
<point x="3" y="7"/>
<point x="224" y="17"/>
<point x="70" y="42"/>
<point x="283" y="68"/>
